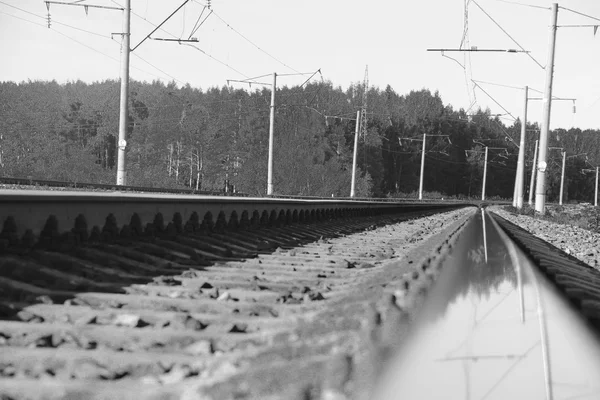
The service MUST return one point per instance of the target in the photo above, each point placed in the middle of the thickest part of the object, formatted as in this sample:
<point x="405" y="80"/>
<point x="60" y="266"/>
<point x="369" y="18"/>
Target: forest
<point x="216" y="139"/>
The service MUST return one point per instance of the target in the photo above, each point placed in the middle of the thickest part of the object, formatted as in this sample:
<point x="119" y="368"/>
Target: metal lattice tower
<point x="363" y="111"/>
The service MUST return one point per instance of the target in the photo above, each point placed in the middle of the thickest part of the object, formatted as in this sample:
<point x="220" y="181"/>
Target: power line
<point x="300" y="87"/>
<point x="458" y="62"/>
<point x="249" y="110"/>
<point x="524" y="5"/>
<point x="249" y="107"/>
<point x="198" y="24"/>
<point x="22" y="19"/>
<point x="60" y="33"/>
<point x="54" y="21"/>
<point x="300" y="73"/>
<point x="158" y="69"/>
<point x="186" y="44"/>
<point x="159" y="25"/>
<point x="580" y="13"/>
<point x="167" y="122"/>
<point x="499" y="85"/>
<point x="507" y="34"/>
<point x="254" y="44"/>
<point x="215" y="59"/>
<point x="495" y="101"/>
<point x="89" y="47"/>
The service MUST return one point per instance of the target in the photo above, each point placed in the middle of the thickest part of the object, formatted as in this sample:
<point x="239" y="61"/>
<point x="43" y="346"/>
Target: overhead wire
<point x="85" y="45"/>
<point x="215" y="59"/>
<point x="158" y="69"/>
<point x="254" y="44"/>
<point x="318" y="90"/>
<point x="500" y="85"/>
<point x="190" y="45"/>
<point x="256" y="109"/>
<point x="183" y="21"/>
<point x="465" y="41"/>
<point x="165" y="122"/>
<point x="55" y="21"/>
<point x="524" y="4"/>
<point x="65" y="35"/>
<point x="508" y="34"/>
<point x="297" y="89"/>
<point x="461" y="65"/>
<point x="197" y="21"/>
<point x="197" y="26"/>
<point x="579" y="13"/>
<point x="254" y="106"/>
<point x="495" y="101"/>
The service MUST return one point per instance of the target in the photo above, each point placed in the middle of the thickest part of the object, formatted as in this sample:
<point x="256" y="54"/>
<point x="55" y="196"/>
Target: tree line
<point x="216" y="139"/>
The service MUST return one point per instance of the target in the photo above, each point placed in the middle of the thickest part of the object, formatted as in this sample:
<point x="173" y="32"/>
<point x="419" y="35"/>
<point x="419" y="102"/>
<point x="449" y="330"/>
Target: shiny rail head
<point x="494" y="330"/>
<point x="26" y="216"/>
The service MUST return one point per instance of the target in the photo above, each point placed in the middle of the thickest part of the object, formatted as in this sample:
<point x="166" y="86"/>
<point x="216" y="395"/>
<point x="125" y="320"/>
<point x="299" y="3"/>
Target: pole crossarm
<point x="577" y="26"/>
<point x="507" y="34"/>
<point x="249" y="82"/>
<point x="411" y="139"/>
<point x="475" y="49"/>
<point x="420" y="140"/>
<point x="553" y="98"/>
<point x="194" y="40"/>
<point x="84" y="5"/>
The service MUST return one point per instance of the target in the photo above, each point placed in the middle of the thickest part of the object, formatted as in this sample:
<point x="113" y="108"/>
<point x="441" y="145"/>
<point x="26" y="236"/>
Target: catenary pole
<point x="123" y="108"/>
<point x="484" y="175"/>
<point x="596" y="195"/>
<point x="521" y="161"/>
<point x="540" y="190"/>
<point x="532" y="183"/>
<point x="562" y="178"/>
<point x="422" y="168"/>
<point x="356" y="131"/>
<point x="271" y="129"/>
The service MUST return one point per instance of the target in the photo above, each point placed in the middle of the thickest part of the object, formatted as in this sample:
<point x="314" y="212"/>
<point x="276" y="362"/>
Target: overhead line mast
<point x="363" y="111"/>
<point x="124" y="97"/>
<point x="363" y="115"/>
<point x="540" y="190"/>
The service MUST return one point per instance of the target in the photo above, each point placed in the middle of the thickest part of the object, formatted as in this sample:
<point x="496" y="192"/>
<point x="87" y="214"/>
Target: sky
<point x="242" y="39"/>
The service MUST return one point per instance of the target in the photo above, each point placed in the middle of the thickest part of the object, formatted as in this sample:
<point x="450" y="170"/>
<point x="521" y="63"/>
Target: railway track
<point x="115" y="296"/>
<point x="158" y="296"/>
<point x="15" y="182"/>
<point x="510" y="316"/>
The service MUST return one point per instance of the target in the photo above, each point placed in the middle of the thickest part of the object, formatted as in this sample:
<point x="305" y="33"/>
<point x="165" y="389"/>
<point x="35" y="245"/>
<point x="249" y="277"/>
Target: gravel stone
<point x="578" y="242"/>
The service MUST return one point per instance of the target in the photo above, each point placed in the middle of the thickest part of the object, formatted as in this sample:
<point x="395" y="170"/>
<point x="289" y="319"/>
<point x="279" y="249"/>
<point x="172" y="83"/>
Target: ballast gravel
<point x="578" y="242"/>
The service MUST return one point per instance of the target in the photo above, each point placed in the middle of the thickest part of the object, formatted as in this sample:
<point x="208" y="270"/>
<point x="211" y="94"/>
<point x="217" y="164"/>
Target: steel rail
<point x="34" y="215"/>
<point x="541" y="330"/>
<point x="142" y="307"/>
<point x="102" y="186"/>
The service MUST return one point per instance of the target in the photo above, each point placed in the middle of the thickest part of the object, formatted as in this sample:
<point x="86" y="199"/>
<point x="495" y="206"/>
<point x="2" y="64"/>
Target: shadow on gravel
<point x="96" y="271"/>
